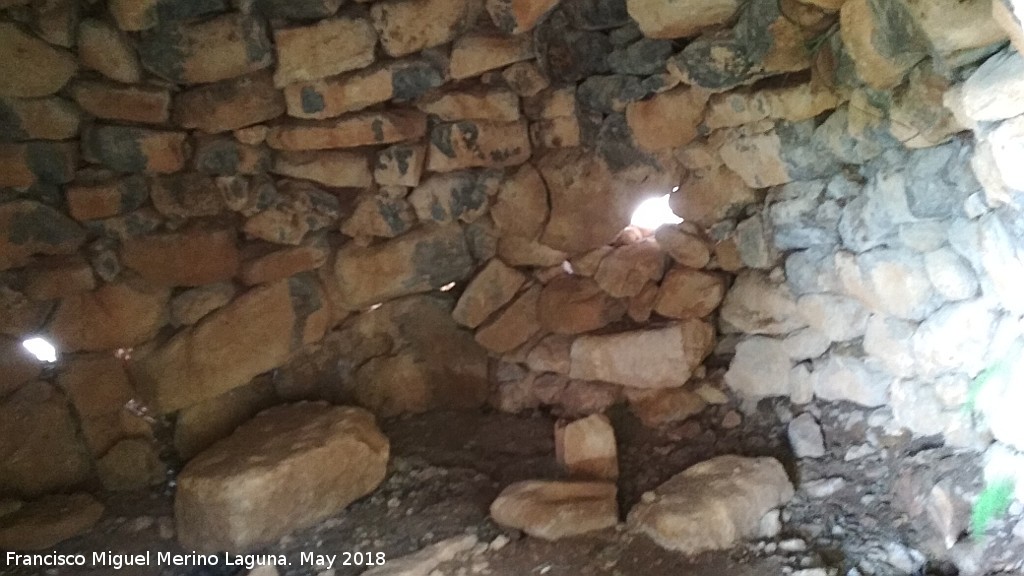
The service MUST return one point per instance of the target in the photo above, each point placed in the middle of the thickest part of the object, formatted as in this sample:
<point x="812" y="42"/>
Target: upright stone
<point x="256" y="485"/>
<point x="586" y="448"/>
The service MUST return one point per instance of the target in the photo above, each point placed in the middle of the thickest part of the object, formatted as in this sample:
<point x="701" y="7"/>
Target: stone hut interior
<point x="511" y="287"/>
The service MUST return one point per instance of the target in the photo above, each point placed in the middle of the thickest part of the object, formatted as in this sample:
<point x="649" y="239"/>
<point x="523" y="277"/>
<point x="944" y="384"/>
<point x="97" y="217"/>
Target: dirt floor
<point x="446" y="468"/>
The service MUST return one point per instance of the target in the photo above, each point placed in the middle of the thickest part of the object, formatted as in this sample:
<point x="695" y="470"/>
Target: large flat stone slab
<point x="288" y="468"/>
<point x="713" y="504"/>
<point x="41" y="524"/>
<point x="553" y="510"/>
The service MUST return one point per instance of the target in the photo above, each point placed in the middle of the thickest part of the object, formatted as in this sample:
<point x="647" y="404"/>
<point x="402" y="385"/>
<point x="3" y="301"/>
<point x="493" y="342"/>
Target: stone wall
<point x="211" y="207"/>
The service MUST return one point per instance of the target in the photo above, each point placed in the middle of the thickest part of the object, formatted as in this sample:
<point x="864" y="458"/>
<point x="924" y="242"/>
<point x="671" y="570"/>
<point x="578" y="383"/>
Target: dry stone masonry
<point x="213" y="208"/>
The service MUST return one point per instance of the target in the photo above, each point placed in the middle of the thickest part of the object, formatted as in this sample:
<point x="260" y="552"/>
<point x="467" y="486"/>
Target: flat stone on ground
<point x="288" y="468"/>
<point x="554" y="510"/>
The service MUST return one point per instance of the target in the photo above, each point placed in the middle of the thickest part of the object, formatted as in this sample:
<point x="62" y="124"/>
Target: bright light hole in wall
<point x="654" y="212"/>
<point x="41" y="349"/>
<point x="447" y="286"/>
<point x="375" y="306"/>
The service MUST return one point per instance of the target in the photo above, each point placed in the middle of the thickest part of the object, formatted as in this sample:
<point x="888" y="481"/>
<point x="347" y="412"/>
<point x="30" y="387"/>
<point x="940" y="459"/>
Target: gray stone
<point x="994" y="91"/>
<point x="864" y="225"/>
<point x="811" y="271"/>
<point x="754" y="243"/>
<point x="951" y="275"/>
<point x="955" y="337"/>
<point x="756" y="305"/>
<point x="916" y="407"/>
<point x="938" y="181"/>
<point x="805" y="437"/>
<point x="568" y="55"/>
<point x="853" y="145"/>
<point x="851" y="379"/>
<point x="596" y="14"/>
<point x="801" y="219"/>
<point x="609" y="93"/>
<point x="924" y="236"/>
<point x="823" y="488"/>
<point x="1002" y="256"/>
<point x="760" y="368"/>
<point x="890" y="281"/>
<point x="888" y="339"/>
<point x="838" y="318"/>
<point x="713" y="504"/>
<point x="642" y="58"/>
<point x="806" y="344"/>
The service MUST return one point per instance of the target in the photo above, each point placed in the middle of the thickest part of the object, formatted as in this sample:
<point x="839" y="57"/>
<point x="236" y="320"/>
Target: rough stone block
<point x="451" y="196"/>
<point x="323" y="49"/>
<point x="337" y="169"/>
<point x="29" y="228"/>
<point x="554" y="510"/>
<point x="514" y="326"/>
<point x="230" y="104"/>
<point x="518" y="16"/>
<point x="37" y="162"/>
<point x="670" y="19"/>
<point x="653" y="358"/>
<point x="40" y="448"/>
<point x="51" y="67"/>
<point x="361" y="129"/>
<point x="712" y="505"/>
<point x="106" y="199"/>
<point x="257" y="332"/>
<point x="285" y="262"/>
<point x="128" y="149"/>
<point x="50" y="118"/>
<point x="407" y="26"/>
<point x="493" y="287"/>
<point x="103" y="48"/>
<point x="419" y="261"/>
<point x="255" y="486"/>
<point x="331" y="97"/>
<point x="113" y="316"/>
<point x="469" y="144"/>
<point x="473" y="104"/>
<point x="400" y="165"/>
<point x="224" y="47"/>
<point x="586" y="448"/>
<point x="689" y="293"/>
<point x="143" y="104"/>
<point x="475" y="54"/>
<point x="183" y="258"/>
<point x="44" y="523"/>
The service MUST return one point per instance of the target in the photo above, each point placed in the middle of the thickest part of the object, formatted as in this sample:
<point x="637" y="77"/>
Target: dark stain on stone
<point x="401" y="156"/>
<point x="378" y="129"/>
<point x="117" y="146"/>
<point x="596" y="14"/>
<point x="715" y="63"/>
<point x="501" y="13"/>
<point x="469" y="194"/>
<point x="615" y="144"/>
<point x="162" y="52"/>
<point x="312" y="101"/>
<point x="568" y="55"/>
<point x="220" y="157"/>
<point x="10" y="124"/>
<point x="469" y="132"/>
<point x="441" y="138"/>
<point x="295" y="9"/>
<point x="503" y="154"/>
<point x="172" y="10"/>
<point x="414" y="80"/>
<point x="49" y="162"/>
<point x="609" y="93"/>
<point x="257" y="42"/>
<point x="391" y="212"/>
<point x="41" y="224"/>
<point x="138" y="223"/>
<point x="441" y="260"/>
<point x="134" y="193"/>
<point x="643" y="57"/>
<point x="805" y="152"/>
<point x="304" y="292"/>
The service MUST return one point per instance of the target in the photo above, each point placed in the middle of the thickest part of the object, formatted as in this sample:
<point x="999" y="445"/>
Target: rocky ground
<point x="870" y="505"/>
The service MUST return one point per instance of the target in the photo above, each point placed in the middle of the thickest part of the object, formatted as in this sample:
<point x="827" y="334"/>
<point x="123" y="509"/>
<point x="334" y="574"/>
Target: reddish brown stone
<point x="22" y="165"/>
<point x="573" y="304"/>
<point x="362" y="129"/>
<point x="229" y="105"/>
<point x="408" y="26"/>
<point x="106" y="199"/>
<point x="144" y="104"/>
<point x="688" y="293"/>
<point x="475" y="54"/>
<point x="189" y="258"/>
<point x="113" y="316"/>
<point x="28" y="228"/>
<point x="57" y="277"/>
<point x="324" y="49"/>
<point x="285" y="262"/>
<point x="338" y="169"/>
